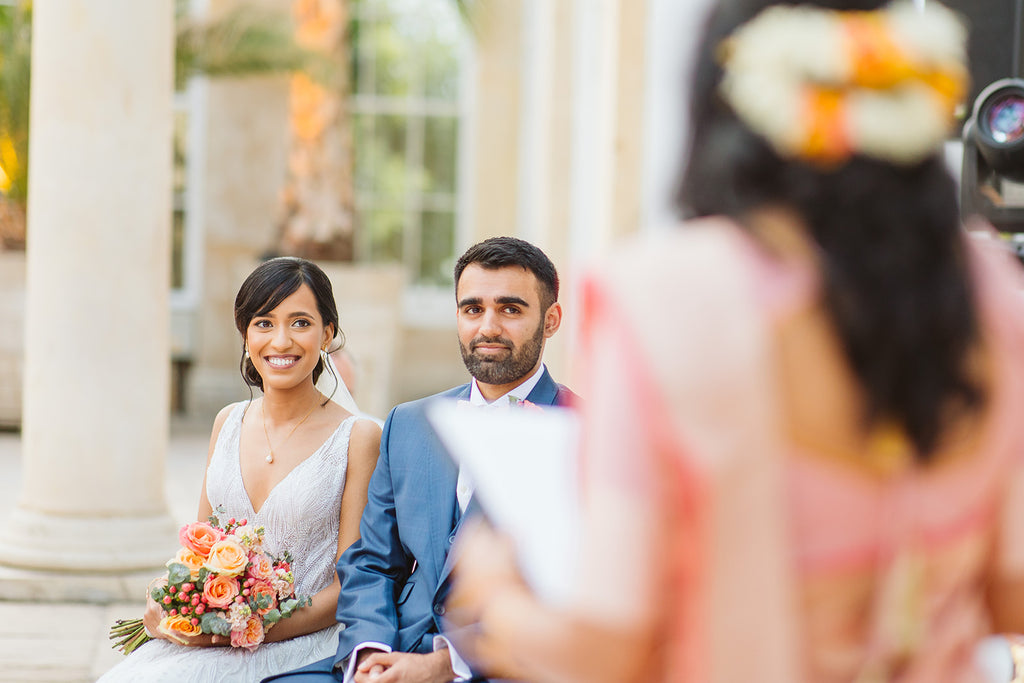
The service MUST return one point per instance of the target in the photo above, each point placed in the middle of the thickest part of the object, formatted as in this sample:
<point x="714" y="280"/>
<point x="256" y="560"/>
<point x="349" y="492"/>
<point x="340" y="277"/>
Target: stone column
<point x="92" y="508"/>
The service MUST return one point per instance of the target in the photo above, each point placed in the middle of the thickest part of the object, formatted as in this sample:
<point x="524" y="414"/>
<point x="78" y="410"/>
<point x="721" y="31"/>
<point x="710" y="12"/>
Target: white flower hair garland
<point x="821" y="85"/>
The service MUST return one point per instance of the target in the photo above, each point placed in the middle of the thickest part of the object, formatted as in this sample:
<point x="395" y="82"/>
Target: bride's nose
<point x="282" y="338"/>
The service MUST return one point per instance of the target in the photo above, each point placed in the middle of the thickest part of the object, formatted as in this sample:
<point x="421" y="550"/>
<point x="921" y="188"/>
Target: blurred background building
<point x="380" y="138"/>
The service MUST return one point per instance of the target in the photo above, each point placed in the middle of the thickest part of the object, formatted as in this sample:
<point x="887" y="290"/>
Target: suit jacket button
<point x="439" y="609"/>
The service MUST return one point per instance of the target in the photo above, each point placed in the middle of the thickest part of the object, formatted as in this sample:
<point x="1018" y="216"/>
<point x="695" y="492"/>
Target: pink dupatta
<point x="680" y="424"/>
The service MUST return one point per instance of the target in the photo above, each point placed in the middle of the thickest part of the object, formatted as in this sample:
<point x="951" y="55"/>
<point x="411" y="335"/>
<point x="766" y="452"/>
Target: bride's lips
<point x="281" y="362"/>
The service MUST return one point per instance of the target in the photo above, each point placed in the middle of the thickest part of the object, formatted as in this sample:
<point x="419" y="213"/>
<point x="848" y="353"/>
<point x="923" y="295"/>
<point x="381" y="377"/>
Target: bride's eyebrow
<point x="300" y="314"/>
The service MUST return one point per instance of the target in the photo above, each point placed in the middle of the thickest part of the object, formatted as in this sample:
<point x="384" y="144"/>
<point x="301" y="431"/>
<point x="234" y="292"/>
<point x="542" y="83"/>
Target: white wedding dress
<point x="301" y="516"/>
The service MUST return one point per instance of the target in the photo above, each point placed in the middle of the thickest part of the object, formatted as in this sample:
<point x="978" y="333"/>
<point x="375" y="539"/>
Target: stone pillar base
<point x="26" y="585"/>
<point x="98" y="559"/>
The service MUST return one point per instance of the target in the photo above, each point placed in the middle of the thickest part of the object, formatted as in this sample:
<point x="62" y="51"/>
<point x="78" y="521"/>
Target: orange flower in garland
<point x="821" y="85"/>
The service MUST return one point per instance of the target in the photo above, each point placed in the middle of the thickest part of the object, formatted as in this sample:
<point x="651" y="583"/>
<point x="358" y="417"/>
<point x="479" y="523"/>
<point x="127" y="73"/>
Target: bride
<point x="293" y="461"/>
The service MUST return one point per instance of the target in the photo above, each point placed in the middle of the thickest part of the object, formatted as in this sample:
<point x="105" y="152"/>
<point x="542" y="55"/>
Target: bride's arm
<point x="154" y="613"/>
<point x="364" y="445"/>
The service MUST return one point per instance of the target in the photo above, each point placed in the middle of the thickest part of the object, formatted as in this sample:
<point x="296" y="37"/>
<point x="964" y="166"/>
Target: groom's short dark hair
<point x="500" y="252"/>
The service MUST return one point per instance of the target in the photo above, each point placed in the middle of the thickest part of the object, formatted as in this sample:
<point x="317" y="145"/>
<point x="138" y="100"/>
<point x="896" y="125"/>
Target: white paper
<point x="523" y="463"/>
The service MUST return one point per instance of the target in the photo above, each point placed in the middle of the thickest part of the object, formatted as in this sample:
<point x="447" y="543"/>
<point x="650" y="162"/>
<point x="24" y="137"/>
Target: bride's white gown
<point x="301" y="516"/>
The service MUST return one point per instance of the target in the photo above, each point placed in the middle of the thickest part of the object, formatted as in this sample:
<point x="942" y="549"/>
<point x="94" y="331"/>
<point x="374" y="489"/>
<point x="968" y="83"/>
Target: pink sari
<point x="758" y="561"/>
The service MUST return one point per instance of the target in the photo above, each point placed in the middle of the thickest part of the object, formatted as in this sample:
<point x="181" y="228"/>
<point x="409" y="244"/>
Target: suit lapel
<point x="545" y="392"/>
<point x="442" y="474"/>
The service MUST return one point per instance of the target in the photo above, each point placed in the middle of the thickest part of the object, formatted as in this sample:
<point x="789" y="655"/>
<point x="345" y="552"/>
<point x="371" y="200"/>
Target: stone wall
<point x="12" y="335"/>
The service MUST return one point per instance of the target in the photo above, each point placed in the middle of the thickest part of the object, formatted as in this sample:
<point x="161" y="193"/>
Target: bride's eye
<point x="301" y="322"/>
<point x="262" y="324"/>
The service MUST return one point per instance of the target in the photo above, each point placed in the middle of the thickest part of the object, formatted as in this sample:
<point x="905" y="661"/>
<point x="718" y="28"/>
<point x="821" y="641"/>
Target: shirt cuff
<point x="350" y="668"/>
<point x="459" y="666"/>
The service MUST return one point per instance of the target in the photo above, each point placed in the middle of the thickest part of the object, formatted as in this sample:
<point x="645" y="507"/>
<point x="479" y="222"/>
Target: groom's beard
<point x="519" y="362"/>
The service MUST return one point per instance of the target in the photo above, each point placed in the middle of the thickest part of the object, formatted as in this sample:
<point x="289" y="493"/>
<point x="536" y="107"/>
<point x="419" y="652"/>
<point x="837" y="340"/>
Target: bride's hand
<point x="151" y="620"/>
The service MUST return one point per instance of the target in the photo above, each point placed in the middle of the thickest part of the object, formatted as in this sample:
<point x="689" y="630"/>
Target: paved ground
<point x="67" y="643"/>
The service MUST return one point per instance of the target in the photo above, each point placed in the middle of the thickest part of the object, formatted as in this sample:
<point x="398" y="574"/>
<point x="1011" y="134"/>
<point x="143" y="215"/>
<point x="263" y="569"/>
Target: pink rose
<point x="250" y="636"/>
<point x="260" y="567"/>
<point x="199" y="537"/>
<point x="220" y="591"/>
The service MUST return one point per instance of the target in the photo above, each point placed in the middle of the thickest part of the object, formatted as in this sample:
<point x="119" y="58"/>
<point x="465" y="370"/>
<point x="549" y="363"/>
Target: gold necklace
<point x="263" y="413"/>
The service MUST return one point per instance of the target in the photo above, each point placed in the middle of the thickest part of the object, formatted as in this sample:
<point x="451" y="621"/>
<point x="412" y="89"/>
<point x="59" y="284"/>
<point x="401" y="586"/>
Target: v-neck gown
<point x="300" y="516"/>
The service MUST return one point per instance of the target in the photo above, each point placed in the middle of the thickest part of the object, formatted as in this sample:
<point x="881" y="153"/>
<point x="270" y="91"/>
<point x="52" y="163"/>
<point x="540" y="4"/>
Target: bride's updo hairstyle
<point x="271" y="283"/>
<point x="892" y="251"/>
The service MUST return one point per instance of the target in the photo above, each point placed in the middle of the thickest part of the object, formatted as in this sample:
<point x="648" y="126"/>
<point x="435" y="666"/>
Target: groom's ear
<point x="552" y="319"/>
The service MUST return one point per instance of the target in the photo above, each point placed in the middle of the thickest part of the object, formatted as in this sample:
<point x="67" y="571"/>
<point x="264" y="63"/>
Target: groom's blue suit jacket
<point x="393" y="580"/>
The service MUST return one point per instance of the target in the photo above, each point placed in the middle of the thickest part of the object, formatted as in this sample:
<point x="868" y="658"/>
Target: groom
<point x="395" y="578"/>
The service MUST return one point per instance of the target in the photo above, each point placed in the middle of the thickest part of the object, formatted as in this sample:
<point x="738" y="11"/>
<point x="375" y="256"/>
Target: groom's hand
<point x="405" y="667"/>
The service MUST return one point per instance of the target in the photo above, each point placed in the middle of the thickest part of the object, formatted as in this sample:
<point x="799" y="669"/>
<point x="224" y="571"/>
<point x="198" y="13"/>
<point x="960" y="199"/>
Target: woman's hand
<point x="486" y="581"/>
<point x="486" y="567"/>
<point x="151" y="620"/>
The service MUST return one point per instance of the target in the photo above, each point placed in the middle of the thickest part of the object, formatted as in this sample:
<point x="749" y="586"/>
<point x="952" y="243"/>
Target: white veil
<point x="333" y="386"/>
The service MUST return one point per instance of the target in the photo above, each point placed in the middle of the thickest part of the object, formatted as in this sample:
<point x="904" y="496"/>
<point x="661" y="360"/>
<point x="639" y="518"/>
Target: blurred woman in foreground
<point x="801" y="454"/>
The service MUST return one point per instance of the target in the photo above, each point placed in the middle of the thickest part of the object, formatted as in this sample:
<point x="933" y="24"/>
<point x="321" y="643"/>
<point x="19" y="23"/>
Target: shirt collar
<point x="520" y="392"/>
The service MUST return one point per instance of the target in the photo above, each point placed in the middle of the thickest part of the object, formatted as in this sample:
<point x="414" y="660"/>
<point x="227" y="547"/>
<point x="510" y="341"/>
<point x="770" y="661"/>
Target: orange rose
<point x="199" y="537"/>
<point x="190" y="559"/>
<point x="220" y="591"/>
<point x="261" y="567"/>
<point x="177" y="626"/>
<point x="259" y="589"/>
<point x="227" y="557"/>
<point x="251" y="636"/>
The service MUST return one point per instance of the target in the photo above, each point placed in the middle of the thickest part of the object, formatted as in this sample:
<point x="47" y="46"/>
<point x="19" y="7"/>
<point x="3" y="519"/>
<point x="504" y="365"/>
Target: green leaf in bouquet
<point x="203" y="573"/>
<point x="178" y="573"/>
<point x="214" y="623"/>
<point x="288" y="606"/>
<point x="262" y="600"/>
<point x="272" y="616"/>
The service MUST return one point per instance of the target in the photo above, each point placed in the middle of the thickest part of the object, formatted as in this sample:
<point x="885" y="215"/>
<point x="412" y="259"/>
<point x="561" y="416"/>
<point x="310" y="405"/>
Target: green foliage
<point x="178" y="574"/>
<point x="213" y="623"/>
<point x="244" y="41"/>
<point x="15" y="55"/>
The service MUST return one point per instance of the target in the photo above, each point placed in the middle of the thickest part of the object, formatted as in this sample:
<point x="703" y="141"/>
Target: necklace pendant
<point x="270" y="458"/>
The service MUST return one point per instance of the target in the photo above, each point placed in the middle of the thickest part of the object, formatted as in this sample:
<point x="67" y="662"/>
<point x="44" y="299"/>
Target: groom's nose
<point x="490" y="326"/>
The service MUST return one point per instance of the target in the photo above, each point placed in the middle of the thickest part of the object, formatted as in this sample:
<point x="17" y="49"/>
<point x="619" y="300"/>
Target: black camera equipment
<point x="992" y="170"/>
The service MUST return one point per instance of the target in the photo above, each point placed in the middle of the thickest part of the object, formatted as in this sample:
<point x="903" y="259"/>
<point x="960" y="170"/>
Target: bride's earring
<point x="246" y="352"/>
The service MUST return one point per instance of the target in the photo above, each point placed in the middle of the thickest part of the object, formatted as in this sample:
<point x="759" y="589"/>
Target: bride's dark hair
<point x="895" y="272"/>
<point x="271" y="283"/>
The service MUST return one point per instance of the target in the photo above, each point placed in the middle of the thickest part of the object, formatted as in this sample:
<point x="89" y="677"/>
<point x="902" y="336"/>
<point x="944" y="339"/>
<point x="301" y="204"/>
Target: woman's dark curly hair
<point x="895" y="272"/>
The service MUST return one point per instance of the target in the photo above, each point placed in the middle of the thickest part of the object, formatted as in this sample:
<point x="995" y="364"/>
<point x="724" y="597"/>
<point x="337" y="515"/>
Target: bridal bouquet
<point x="220" y="582"/>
